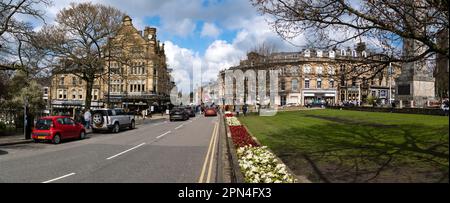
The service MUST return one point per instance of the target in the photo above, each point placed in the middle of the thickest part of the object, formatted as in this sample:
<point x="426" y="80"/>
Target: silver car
<point x="112" y="120"/>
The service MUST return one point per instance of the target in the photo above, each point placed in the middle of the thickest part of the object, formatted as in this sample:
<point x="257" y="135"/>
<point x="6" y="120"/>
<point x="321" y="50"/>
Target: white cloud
<point x="210" y="30"/>
<point x="179" y="18"/>
<point x="182" y="28"/>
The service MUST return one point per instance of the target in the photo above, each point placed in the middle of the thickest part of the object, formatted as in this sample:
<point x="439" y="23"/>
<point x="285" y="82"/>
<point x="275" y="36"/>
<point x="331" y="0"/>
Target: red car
<point x="210" y="112"/>
<point x="56" y="129"/>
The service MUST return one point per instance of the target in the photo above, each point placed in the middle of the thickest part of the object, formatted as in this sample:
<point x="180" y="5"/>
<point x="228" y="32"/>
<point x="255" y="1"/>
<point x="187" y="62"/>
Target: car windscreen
<point x="43" y="124"/>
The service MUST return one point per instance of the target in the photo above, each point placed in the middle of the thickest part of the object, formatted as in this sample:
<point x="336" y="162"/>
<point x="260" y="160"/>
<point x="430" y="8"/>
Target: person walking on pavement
<point x="245" y="109"/>
<point x="87" y="119"/>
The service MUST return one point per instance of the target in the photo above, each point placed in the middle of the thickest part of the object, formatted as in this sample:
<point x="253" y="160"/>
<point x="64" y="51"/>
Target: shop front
<point x="319" y="97"/>
<point x="70" y="108"/>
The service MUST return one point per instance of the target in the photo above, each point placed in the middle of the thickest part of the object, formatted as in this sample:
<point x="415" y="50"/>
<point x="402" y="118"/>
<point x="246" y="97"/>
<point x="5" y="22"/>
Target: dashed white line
<point x="65" y="176"/>
<point x="179" y="127"/>
<point x="163" y="135"/>
<point x="125" y="151"/>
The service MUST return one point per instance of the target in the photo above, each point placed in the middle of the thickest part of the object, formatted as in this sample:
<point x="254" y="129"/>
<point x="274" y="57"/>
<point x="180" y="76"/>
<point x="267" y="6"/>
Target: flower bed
<point x="228" y="114"/>
<point x="233" y="121"/>
<point x="259" y="165"/>
<point x="241" y="138"/>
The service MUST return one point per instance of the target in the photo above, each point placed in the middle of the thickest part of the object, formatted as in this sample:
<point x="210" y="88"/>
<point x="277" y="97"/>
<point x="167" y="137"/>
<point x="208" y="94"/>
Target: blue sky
<point x="213" y="34"/>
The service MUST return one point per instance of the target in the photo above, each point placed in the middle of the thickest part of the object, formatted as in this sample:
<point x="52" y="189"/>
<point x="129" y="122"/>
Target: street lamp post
<point x="25" y="123"/>
<point x="390" y="83"/>
<point x="109" y="73"/>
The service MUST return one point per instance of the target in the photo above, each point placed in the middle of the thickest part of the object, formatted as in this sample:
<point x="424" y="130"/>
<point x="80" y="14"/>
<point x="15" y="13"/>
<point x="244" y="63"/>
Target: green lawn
<point x="352" y="146"/>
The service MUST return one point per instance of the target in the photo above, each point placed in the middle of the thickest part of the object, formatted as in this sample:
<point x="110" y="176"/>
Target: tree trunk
<point x="89" y="86"/>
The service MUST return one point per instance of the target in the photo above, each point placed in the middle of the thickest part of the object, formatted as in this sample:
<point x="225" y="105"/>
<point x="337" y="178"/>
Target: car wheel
<point x="82" y="135"/>
<point x="132" y="125"/>
<point x="56" y="139"/>
<point x="116" y="128"/>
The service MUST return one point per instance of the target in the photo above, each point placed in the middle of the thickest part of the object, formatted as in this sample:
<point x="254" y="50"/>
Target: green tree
<point x="78" y="42"/>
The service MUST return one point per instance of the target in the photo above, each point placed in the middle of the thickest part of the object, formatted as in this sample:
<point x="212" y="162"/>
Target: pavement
<point x="159" y="152"/>
<point x="19" y="137"/>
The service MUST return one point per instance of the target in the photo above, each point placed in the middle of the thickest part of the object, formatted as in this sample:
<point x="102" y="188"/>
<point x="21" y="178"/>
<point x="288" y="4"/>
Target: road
<point x="163" y="152"/>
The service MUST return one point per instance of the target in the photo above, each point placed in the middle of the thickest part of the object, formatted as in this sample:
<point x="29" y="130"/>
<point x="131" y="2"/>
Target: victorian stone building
<point x="135" y="75"/>
<point x="314" y="76"/>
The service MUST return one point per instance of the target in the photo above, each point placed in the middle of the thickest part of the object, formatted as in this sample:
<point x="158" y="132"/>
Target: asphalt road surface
<point x="164" y="152"/>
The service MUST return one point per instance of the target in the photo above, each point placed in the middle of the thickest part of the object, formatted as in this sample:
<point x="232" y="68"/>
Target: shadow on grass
<point x="363" y="152"/>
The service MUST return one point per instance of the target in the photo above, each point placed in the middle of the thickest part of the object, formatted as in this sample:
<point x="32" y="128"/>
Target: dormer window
<point x="307" y="53"/>
<point x="364" y="54"/>
<point x="354" y="53"/>
<point x="343" y="52"/>
<point x="332" y="54"/>
<point x="320" y="54"/>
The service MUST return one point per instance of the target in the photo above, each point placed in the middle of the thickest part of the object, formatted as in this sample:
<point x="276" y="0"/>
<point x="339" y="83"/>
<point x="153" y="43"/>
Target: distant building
<point x="317" y="76"/>
<point x="138" y="81"/>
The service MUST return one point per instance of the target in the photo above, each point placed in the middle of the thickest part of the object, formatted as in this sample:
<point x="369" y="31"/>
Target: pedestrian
<point x="245" y="109"/>
<point x="445" y="107"/>
<point x="237" y="110"/>
<point x="87" y="119"/>
<point x="143" y="114"/>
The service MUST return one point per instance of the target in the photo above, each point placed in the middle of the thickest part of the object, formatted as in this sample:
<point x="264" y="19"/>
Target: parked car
<point x="112" y="120"/>
<point x="315" y="105"/>
<point x="56" y="129"/>
<point x="190" y="111"/>
<point x="179" y="114"/>
<point x="210" y="112"/>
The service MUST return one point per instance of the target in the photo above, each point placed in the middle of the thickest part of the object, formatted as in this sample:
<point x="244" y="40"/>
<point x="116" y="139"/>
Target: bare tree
<point x="387" y="23"/>
<point x="264" y="49"/>
<point x="79" y="41"/>
<point x="14" y="33"/>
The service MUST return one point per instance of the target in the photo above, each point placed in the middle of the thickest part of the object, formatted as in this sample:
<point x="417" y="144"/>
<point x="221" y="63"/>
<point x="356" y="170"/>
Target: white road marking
<point x="179" y="127"/>
<point x="163" y="135"/>
<point x="125" y="151"/>
<point x="65" y="176"/>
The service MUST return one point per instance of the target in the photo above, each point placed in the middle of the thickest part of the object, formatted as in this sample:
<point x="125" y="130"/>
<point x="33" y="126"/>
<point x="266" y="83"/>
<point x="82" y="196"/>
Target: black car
<point x="190" y="111"/>
<point x="315" y="105"/>
<point x="179" y="114"/>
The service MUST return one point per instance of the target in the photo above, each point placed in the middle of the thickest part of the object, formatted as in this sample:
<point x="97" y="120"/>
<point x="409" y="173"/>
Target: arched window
<point x="343" y="52"/>
<point x="364" y="54"/>
<point x="354" y="53"/>
<point x="319" y="83"/>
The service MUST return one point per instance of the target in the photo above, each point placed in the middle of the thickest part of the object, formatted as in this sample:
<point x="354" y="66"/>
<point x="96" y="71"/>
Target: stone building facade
<point x="441" y="72"/>
<point x="135" y="75"/>
<point x="329" y="77"/>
